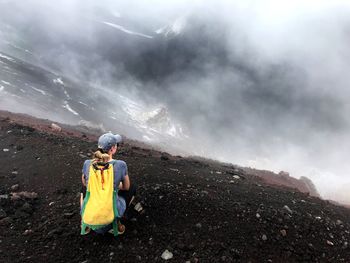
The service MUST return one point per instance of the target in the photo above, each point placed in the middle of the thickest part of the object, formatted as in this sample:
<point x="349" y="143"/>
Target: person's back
<point x="101" y="206"/>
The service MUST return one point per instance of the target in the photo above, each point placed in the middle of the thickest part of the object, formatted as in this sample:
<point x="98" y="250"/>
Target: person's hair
<point x="100" y="156"/>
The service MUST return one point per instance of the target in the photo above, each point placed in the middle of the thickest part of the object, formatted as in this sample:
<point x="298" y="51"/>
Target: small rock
<point x="28" y="232"/>
<point x="287" y="209"/>
<point x="5" y="150"/>
<point x="15" y="187"/>
<point x="167" y="255"/>
<point x="138" y="207"/>
<point x="236" y="177"/>
<point x="257" y="215"/>
<point x="232" y="182"/>
<point x="339" y="222"/>
<point x="264" y="237"/>
<point x="345" y="245"/>
<point x="283" y="232"/>
<point x="198" y="225"/>
<point x="218" y="172"/>
<point x="68" y="215"/>
<point x="15" y="173"/>
<point x="55" y="127"/>
<point x="4" y="196"/>
<point x="330" y="243"/>
<point x="52" y="203"/>
<point x="21" y="195"/>
<point x="111" y="254"/>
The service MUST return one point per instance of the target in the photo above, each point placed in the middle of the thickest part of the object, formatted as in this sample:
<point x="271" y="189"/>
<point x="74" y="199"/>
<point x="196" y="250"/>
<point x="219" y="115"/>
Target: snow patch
<point x="2" y="88"/>
<point x="83" y="103"/>
<point x="121" y="28"/>
<point x="151" y="121"/>
<point x="66" y="106"/>
<point x="66" y="93"/>
<point x="6" y="83"/>
<point x="6" y="57"/>
<point x="173" y="29"/>
<point x="58" y="81"/>
<point x="38" y="90"/>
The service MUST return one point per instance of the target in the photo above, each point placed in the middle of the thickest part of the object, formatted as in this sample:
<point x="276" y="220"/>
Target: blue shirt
<point x="120" y="171"/>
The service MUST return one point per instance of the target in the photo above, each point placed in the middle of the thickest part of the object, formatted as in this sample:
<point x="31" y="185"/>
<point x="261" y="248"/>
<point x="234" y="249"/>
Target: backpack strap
<point x="101" y="167"/>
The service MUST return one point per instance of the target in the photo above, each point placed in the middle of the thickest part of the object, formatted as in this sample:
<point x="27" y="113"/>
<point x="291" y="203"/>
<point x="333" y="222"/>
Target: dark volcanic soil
<point x="201" y="211"/>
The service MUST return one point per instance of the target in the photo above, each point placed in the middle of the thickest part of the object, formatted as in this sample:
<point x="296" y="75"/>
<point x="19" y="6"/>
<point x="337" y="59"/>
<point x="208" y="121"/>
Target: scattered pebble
<point x="287" y="209"/>
<point x="4" y="196"/>
<point x="5" y="150"/>
<point x="167" y="255"/>
<point x="68" y="215"/>
<point x="236" y="177"/>
<point x="283" y="232"/>
<point x="21" y="195"/>
<point x="257" y="215"/>
<point x="339" y="222"/>
<point x="330" y="243"/>
<point x="264" y="237"/>
<point x="198" y="225"/>
<point x="15" y="187"/>
<point x="28" y="232"/>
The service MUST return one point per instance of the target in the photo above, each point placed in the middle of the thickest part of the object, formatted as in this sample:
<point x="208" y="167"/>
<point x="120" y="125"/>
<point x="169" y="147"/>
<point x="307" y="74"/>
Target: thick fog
<point x="256" y="83"/>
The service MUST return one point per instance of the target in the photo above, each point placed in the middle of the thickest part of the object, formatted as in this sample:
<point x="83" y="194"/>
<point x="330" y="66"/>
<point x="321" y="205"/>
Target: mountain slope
<point x="198" y="210"/>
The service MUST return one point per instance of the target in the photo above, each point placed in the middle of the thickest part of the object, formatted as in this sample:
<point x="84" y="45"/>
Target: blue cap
<point x="107" y="140"/>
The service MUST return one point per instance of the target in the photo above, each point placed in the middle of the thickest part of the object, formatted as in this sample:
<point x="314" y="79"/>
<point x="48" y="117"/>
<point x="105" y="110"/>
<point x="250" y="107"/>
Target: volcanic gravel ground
<point x="199" y="210"/>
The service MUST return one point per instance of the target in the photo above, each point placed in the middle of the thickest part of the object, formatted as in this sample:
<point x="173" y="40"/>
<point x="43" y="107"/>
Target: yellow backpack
<point x="99" y="207"/>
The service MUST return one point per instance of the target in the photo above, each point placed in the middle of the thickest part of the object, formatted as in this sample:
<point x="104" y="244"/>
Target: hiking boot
<point x="87" y="230"/>
<point x="121" y="229"/>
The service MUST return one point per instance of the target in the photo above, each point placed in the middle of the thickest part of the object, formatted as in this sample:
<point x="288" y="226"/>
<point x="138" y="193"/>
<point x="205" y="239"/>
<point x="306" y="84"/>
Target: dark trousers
<point x="128" y="194"/>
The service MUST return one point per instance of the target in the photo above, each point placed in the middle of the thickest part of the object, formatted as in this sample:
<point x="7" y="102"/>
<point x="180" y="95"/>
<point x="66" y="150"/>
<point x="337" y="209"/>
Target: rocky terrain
<point x="195" y="210"/>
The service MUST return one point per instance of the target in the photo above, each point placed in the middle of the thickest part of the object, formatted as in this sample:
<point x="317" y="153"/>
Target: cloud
<point x="255" y="82"/>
